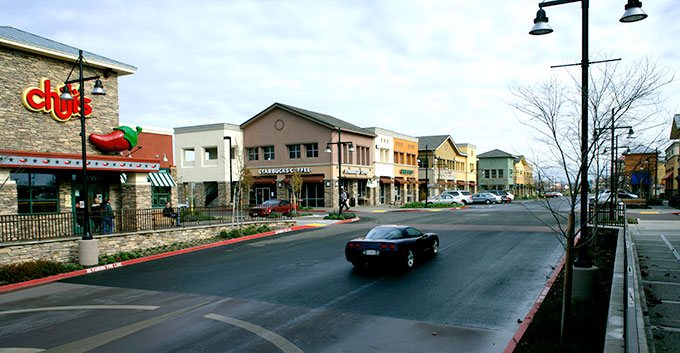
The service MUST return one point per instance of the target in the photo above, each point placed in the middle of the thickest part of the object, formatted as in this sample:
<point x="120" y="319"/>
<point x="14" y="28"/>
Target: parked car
<point x="393" y="245"/>
<point x="485" y="197"/>
<point x="444" y="199"/>
<point x="505" y="196"/>
<point x="550" y="194"/>
<point x="605" y="197"/>
<point x="462" y="195"/>
<point x="273" y="205"/>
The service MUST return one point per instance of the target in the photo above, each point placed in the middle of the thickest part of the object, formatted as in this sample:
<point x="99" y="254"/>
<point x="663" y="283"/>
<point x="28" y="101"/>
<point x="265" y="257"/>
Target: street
<point x="295" y="292"/>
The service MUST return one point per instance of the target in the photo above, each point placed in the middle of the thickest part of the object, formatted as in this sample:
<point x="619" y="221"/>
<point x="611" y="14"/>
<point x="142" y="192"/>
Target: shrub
<point x="343" y="216"/>
<point x="275" y="215"/>
<point x="27" y="271"/>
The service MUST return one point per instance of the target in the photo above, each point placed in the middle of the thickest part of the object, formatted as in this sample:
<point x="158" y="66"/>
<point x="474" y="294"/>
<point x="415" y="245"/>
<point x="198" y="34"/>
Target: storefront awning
<point x="161" y="179"/>
<point x="400" y="180"/>
<point x="264" y="180"/>
<point x="460" y="182"/>
<point x="385" y="180"/>
<point x="668" y="176"/>
<point x="412" y="180"/>
<point x="473" y="183"/>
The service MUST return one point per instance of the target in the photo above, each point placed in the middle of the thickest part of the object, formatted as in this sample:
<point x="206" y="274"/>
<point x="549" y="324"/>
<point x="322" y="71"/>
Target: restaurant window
<point x="160" y="195"/>
<point x="268" y="153"/>
<point x="312" y="150"/>
<point x="36" y="192"/>
<point x="252" y="154"/>
<point x="500" y="173"/>
<point x="294" y="152"/>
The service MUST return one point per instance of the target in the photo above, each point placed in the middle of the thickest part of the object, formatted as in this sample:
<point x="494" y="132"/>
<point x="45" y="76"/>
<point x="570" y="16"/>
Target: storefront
<point x="283" y="141"/>
<point x="41" y="164"/>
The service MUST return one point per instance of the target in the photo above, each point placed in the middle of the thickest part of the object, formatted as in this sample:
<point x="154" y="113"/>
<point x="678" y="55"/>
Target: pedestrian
<point x="169" y="212"/>
<point x="96" y="215"/>
<point x="343" y="199"/>
<point x="107" y="216"/>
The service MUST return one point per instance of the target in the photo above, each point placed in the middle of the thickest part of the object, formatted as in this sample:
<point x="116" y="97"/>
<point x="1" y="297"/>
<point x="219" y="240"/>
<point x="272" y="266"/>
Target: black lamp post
<point x="328" y="150"/>
<point x="66" y="95"/>
<point x="613" y="192"/>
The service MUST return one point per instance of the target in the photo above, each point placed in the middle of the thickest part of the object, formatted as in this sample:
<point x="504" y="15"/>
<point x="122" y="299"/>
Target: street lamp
<point x="328" y="150"/>
<point x="633" y="13"/>
<point x="66" y="95"/>
<point x="426" y="161"/>
<point x="613" y="192"/>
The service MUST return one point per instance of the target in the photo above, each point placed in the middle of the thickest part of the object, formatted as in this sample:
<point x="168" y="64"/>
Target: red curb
<point x="534" y="308"/>
<point x="39" y="281"/>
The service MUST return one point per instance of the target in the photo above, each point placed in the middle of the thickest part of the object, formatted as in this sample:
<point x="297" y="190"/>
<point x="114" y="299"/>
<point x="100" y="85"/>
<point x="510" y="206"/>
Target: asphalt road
<point x="295" y="292"/>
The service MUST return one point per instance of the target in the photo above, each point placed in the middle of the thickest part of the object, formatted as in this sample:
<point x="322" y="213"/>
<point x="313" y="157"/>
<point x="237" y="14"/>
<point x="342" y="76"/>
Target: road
<point x="295" y="292"/>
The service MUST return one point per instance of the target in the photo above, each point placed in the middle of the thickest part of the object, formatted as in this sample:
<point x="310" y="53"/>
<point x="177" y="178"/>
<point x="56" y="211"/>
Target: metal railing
<point x="36" y="227"/>
<point x="606" y="215"/>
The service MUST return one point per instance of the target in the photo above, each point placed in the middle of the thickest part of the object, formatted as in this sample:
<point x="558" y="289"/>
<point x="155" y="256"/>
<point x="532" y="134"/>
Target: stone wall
<point x="66" y="250"/>
<point x="8" y="197"/>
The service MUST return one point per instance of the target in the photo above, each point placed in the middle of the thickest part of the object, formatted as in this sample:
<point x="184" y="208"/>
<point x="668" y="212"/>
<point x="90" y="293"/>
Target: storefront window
<point x="268" y="152"/>
<point x="160" y="195"/>
<point x="312" y="150"/>
<point x="294" y="152"/>
<point x="252" y="154"/>
<point x="36" y="192"/>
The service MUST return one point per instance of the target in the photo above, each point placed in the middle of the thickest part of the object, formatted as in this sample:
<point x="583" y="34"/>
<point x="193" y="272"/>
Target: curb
<point x="39" y="281"/>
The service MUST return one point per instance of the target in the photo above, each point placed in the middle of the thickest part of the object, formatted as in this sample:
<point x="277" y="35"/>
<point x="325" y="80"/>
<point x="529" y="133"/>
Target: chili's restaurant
<point x="41" y="150"/>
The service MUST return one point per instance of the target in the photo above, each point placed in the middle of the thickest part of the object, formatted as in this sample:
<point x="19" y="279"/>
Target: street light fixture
<point x="613" y="188"/>
<point x="66" y="95"/>
<point x="350" y="148"/>
<point x="633" y="13"/>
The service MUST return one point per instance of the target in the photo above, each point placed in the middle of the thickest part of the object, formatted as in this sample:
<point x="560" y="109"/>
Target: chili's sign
<point x="45" y="99"/>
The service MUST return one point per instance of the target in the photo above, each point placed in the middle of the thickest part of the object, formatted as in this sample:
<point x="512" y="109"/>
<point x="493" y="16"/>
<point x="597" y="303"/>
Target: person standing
<point x="169" y="212"/>
<point x="343" y="199"/>
<point x="96" y="215"/>
<point x="107" y="217"/>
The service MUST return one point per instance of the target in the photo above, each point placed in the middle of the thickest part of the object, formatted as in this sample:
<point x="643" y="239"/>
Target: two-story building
<point x="209" y="159"/>
<point x="329" y="153"/>
<point x="442" y="164"/>
<point x="496" y="170"/>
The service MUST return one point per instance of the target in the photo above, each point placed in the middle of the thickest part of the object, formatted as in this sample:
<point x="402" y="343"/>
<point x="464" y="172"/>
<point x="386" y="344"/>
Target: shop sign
<point x="285" y="170"/>
<point x="406" y="171"/>
<point x="44" y="99"/>
<point x="355" y="171"/>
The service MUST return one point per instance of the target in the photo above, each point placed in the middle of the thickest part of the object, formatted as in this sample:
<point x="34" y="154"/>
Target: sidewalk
<point x="656" y="243"/>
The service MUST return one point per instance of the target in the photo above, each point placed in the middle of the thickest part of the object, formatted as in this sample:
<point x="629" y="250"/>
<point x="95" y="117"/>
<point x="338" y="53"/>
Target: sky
<point x="414" y="67"/>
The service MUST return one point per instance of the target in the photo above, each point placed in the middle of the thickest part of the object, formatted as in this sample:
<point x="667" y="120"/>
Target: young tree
<point x="551" y="109"/>
<point x="296" y="182"/>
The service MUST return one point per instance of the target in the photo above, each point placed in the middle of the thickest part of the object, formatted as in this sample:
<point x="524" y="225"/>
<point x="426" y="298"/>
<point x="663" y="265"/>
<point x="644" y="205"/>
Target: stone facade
<point x="8" y="197"/>
<point x="21" y="70"/>
<point x="66" y="250"/>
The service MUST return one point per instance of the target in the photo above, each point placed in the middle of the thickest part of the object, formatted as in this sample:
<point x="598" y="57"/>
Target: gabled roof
<point x="496" y="154"/>
<point x="675" y="129"/>
<point x="434" y="142"/>
<point x="321" y="119"/>
<point x="22" y="40"/>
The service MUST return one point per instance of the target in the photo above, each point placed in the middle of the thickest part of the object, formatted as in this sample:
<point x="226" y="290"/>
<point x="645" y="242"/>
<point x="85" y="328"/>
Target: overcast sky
<point x="414" y="67"/>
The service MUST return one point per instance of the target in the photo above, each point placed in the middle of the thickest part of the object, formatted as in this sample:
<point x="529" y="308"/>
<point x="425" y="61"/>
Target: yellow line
<point x="649" y="212"/>
<point x="379" y="211"/>
<point x="316" y="224"/>
<point x="435" y="210"/>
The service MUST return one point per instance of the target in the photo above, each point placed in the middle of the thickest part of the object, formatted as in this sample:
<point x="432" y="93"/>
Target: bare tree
<point x="616" y="96"/>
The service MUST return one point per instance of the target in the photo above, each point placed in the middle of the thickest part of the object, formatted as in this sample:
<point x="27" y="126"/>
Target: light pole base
<point x="585" y="283"/>
<point x="88" y="252"/>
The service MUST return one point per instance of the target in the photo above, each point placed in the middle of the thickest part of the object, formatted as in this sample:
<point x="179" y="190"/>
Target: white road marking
<point x="81" y="307"/>
<point x="670" y="247"/>
<point x="280" y="342"/>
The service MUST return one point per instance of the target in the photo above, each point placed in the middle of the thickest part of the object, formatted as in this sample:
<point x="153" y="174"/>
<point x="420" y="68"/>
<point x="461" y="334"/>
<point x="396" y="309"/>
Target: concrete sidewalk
<point x="656" y="243"/>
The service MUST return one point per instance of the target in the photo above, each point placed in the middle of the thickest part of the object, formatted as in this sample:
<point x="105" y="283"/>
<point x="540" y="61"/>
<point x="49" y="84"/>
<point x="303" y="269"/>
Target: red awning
<point x="399" y="180"/>
<point x="264" y="180"/>
<point x="412" y="180"/>
<point x="312" y="178"/>
<point x="473" y="183"/>
<point x="460" y="182"/>
<point x="385" y="180"/>
<point x="668" y="176"/>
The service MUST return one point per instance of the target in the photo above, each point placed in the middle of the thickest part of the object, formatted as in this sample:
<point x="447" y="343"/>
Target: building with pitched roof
<point x="443" y="166"/>
<point x="283" y="139"/>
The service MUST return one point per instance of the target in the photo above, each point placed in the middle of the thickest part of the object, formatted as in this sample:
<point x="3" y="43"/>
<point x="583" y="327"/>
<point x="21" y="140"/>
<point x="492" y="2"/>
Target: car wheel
<point x="435" y="248"/>
<point x="487" y="202"/>
<point x="410" y="260"/>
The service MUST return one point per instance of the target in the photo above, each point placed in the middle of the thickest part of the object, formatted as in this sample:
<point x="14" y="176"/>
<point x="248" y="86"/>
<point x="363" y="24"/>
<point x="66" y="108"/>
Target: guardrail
<point x="36" y="227"/>
<point x="606" y="215"/>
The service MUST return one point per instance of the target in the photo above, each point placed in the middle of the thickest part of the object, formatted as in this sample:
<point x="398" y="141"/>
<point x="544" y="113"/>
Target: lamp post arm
<point x="556" y="2"/>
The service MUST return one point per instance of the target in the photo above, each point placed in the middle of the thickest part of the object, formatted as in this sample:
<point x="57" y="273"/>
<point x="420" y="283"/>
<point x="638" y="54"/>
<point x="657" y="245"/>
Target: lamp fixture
<point x="630" y="134"/>
<point x="165" y="158"/>
<point x="541" y="25"/>
<point x="633" y="12"/>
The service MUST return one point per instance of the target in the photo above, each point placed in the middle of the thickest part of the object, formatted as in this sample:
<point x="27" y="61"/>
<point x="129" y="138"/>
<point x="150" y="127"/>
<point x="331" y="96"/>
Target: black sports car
<point x="400" y="245"/>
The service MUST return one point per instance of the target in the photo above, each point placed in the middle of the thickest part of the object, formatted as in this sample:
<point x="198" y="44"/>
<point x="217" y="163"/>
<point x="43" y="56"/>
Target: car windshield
<point x="271" y="202"/>
<point x="466" y="193"/>
<point x="384" y="233"/>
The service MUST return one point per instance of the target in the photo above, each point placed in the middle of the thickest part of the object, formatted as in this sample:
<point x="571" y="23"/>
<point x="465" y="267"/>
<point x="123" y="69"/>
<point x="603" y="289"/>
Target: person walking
<point x="96" y="215"/>
<point x="343" y="199"/>
<point x="169" y="212"/>
<point x="107" y="217"/>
